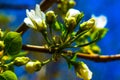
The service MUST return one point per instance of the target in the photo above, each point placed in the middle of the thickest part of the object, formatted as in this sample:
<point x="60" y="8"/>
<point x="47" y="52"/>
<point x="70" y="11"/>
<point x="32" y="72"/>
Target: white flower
<point x="35" y="19"/>
<point x="83" y="71"/>
<point x="73" y="13"/>
<point x="100" y="21"/>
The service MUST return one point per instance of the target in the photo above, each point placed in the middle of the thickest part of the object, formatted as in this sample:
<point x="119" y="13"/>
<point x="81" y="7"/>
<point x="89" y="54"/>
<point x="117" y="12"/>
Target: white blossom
<point x="100" y="21"/>
<point x="35" y="19"/>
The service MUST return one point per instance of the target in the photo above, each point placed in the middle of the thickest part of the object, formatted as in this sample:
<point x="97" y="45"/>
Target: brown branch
<point x="96" y="58"/>
<point x="35" y="48"/>
<point x="44" y="5"/>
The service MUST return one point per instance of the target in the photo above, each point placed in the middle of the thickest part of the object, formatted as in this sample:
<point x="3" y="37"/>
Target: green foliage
<point x="8" y="75"/>
<point x="4" y="19"/>
<point x="13" y="43"/>
<point x="98" y="33"/>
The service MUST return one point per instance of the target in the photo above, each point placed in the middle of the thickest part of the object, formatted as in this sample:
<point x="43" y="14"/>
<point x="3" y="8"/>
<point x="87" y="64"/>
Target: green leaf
<point x="98" y="33"/>
<point x="102" y="33"/>
<point x="79" y="18"/>
<point x="56" y="26"/>
<point x="8" y="75"/>
<point x="13" y="43"/>
<point x="69" y="65"/>
<point x="74" y="57"/>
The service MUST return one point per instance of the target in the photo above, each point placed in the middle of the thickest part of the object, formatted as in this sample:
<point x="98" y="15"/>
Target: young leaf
<point x="8" y="75"/>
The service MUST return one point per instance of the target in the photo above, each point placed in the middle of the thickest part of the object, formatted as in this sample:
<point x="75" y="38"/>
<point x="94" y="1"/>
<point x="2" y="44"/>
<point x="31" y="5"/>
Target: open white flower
<point x="83" y="71"/>
<point x="100" y="21"/>
<point x="35" y="19"/>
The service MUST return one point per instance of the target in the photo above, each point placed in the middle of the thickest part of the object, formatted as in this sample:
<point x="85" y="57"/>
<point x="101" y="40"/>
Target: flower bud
<point x="50" y="17"/>
<point x="1" y="34"/>
<point x="71" y="3"/>
<point x="33" y="66"/>
<point x="73" y="13"/>
<point x="88" y="24"/>
<point x="83" y="71"/>
<point x="19" y="61"/>
<point x="70" y="23"/>
<point x="95" y="49"/>
<point x="1" y="45"/>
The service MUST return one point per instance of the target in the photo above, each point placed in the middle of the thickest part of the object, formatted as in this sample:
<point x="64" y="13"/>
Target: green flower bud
<point x="33" y="66"/>
<point x="88" y="24"/>
<point x="13" y="43"/>
<point x="19" y="61"/>
<point x="1" y="34"/>
<point x="73" y="13"/>
<point x="95" y="49"/>
<point x="91" y="22"/>
<point x="71" y="23"/>
<point x="83" y="71"/>
<point x="71" y="3"/>
<point x="50" y="17"/>
<point x="1" y="45"/>
<point x="8" y="75"/>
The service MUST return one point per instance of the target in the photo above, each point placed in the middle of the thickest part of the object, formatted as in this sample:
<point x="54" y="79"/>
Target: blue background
<point x="109" y="45"/>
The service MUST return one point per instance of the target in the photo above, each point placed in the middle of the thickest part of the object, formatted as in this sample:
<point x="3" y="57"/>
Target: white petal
<point x="30" y="14"/>
<point x="73" y="13"/>
<point x="39" y="12"/>
<point x="101" y="21"/>
<point x="29" y="23"/>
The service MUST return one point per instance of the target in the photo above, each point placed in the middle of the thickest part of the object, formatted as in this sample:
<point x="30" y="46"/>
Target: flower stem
<point x="44" y="33"/>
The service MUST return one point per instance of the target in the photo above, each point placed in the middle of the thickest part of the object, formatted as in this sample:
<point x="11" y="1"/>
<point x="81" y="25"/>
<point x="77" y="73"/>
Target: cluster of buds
<point x="30" y="66"/>
<point x="39" y="21"/>
<point x="65" y="5"/>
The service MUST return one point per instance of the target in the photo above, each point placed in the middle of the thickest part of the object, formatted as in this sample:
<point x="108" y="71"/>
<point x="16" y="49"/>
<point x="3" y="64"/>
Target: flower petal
<point x="73" y="13"/>
<point x="29" y="23"/>
<point x="101" y="21"/>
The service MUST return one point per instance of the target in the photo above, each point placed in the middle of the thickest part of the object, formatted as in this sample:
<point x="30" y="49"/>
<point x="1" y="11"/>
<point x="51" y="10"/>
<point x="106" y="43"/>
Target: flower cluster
<point x="71" y="33"/>
<point x="92" y="28"/>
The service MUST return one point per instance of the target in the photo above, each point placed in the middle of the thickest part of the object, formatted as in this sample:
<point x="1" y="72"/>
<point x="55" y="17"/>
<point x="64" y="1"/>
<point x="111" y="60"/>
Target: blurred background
<point x="12" y="14"/>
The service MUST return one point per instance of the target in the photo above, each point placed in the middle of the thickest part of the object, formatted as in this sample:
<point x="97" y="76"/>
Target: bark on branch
<point x="96" y="58"/>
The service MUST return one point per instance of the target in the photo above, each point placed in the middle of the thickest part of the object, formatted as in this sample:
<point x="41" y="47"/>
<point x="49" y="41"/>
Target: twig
<point x="35" y="48"/>
<point x="96" y="58"/>
<point x="44" y="5"/>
